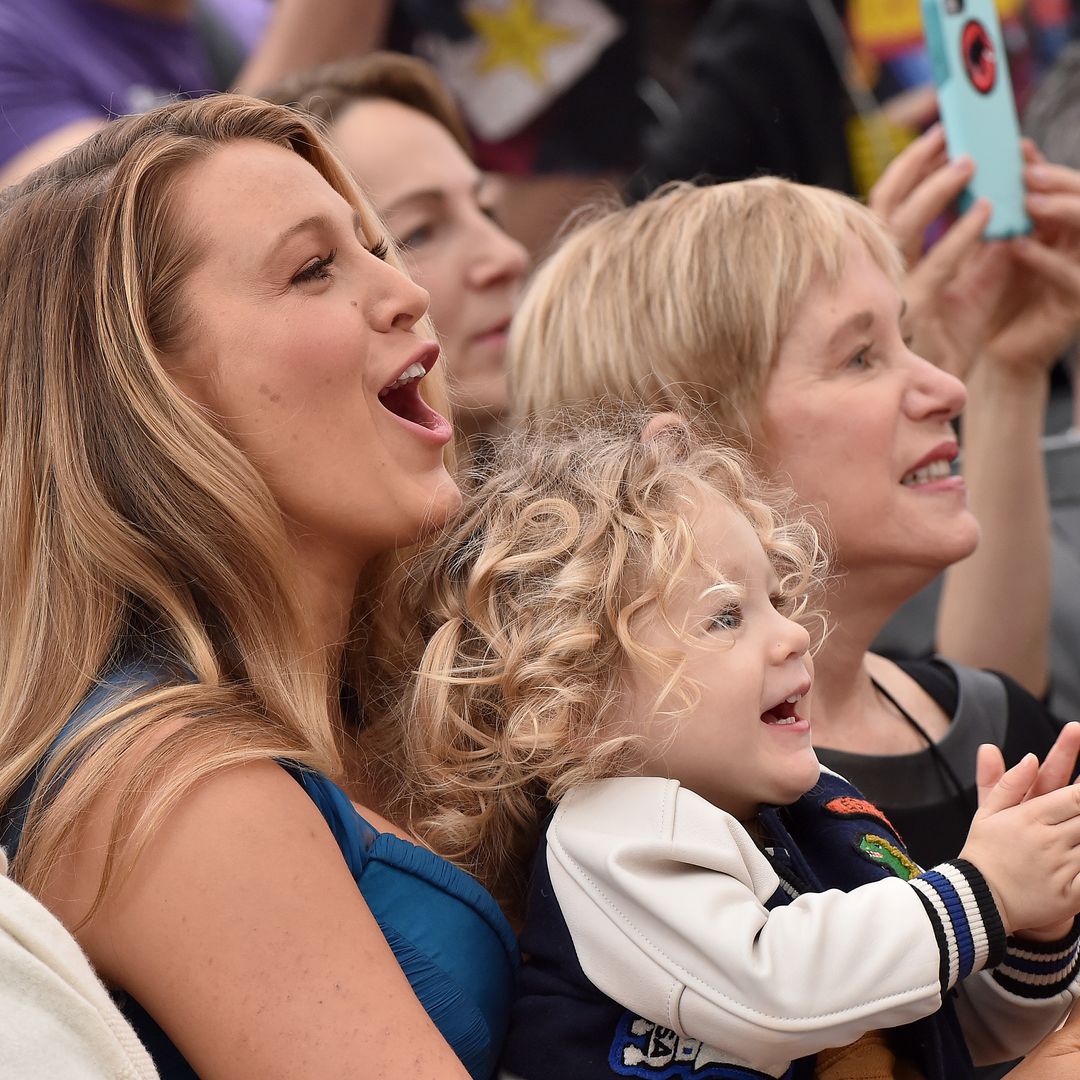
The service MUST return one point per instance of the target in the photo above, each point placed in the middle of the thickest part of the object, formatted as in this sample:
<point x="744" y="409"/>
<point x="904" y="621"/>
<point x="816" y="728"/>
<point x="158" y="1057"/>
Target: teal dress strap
<point x="447" y="933"/>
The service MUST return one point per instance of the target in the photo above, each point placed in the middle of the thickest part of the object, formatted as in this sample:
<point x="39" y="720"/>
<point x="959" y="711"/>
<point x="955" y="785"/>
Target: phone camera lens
<point x="954" y="7"/>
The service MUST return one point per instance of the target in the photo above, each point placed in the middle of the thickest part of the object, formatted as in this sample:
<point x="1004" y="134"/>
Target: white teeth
<point x="794" y="698"/>
<point x="413" y="371"/>
<point x="936" y="470"/>
<point x="783" y="721"/>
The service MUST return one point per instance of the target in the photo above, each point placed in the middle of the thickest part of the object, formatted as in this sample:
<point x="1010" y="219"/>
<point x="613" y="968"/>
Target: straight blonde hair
<point x="132" y="525"/>
<point x="681" y="302"/>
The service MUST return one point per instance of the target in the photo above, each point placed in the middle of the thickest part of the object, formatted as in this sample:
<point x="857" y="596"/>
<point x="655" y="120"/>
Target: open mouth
<point x="402" y="396"/>
<point x="784" y="713"/>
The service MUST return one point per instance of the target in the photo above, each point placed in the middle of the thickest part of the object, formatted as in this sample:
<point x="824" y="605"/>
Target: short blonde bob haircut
<point x="681" y="302"/>
<point x="527" y="607"/>
<point x="132" y="525"/>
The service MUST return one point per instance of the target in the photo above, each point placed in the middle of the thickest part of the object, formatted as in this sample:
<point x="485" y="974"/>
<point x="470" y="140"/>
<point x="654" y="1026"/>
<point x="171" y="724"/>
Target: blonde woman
<point x="775" y="311"/>
<point x="212" y="432"/>
<point x="619" y="627"/>
<point x="397" y="128"/>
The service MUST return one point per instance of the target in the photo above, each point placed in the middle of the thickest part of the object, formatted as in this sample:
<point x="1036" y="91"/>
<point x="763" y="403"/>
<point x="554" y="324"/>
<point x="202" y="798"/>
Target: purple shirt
<point x="68" y="60"/>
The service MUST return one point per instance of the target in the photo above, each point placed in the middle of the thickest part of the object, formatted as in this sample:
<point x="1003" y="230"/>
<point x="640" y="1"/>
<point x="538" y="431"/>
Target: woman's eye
<point x="860" y="360"/>
<point x="380" y="249"/>
<point x="728" y="619"/>
<point x="417" y="237"/>
<point x="316" y="270"/>
<point x="490" y="213"/>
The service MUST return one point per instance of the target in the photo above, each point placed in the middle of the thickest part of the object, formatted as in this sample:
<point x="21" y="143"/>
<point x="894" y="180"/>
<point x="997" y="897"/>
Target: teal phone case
<point x="975" y="95"/>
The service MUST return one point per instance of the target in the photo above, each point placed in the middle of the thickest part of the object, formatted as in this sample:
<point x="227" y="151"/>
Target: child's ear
<point x="660" y="423"/>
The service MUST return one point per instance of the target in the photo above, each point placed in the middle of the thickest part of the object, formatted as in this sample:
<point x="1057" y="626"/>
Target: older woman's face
<point x="860" y="424"/>
<point x="299" y="332"/>
<point x="440" y="210"/>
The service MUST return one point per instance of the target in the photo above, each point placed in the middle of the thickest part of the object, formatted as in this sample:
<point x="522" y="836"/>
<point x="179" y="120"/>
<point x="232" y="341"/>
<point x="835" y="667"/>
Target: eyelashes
<point x="321" y="269"/>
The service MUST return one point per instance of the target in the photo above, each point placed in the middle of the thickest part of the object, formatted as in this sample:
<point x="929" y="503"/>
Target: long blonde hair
<point x="131" y="523"/>
<point x="681" y="301"/>
<point x="527" y="603"/>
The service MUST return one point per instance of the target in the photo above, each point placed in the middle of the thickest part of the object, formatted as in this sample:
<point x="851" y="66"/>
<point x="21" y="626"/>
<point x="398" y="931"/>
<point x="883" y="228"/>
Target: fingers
<point x="1060" y="763"/>
<point x="1013" y="786"/>
<point x="1059" y="269"/>
<point x="989" y="769"/>
<point x="1053" y="808"/>
<point x="908" y="169"/>
<point x="1054" y="208"/>
<point x="910" y="220"/>
<point x="939" y="266"/>
<point x="1044" y="177"/>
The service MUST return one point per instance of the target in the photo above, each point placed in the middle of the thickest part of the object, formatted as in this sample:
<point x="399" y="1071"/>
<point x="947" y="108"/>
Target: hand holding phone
<point x="967" y="55"/>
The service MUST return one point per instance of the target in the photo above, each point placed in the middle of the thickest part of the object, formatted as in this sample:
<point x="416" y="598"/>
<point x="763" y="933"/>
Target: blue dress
<point x="453" y="943"/>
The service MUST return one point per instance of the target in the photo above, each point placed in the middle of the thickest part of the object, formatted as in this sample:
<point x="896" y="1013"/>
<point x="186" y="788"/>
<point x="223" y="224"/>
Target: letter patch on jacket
<point x="642" y="1048"/>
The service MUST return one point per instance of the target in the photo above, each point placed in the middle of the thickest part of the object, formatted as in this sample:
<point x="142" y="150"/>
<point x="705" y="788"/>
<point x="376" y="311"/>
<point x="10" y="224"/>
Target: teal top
<point x="453" y="943"/>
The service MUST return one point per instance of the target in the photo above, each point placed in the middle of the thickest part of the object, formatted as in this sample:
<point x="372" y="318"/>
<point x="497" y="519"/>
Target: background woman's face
<point x="299" y="329"/>
<point x="439" y="207"/>
<point x="861" y="425"/>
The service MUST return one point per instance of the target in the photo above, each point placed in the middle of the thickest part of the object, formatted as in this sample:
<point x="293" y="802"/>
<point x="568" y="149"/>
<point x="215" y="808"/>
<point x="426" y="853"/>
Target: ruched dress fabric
<point x="453" y="943"/>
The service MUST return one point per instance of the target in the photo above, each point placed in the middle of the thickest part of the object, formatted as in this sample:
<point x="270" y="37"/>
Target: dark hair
<point x="326" y="91"/>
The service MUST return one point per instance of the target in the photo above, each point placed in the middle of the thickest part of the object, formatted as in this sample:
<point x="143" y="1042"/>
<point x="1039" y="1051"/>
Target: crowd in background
<point x="383" y="386"/>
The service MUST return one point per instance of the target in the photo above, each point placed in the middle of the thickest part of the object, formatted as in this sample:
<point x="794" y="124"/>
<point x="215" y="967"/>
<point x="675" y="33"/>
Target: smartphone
<point x="975" y="95"/>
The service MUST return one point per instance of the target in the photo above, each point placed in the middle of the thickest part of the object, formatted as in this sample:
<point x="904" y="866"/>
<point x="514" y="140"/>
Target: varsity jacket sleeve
<point x="665" y="898"/>
<point x="1006" y="1011"/>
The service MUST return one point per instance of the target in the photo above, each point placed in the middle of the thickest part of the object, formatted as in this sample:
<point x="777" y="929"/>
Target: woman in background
<point x="398" y="130"/>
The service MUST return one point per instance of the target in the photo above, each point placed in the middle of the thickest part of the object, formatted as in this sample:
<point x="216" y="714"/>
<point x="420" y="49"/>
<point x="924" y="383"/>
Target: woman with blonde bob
<point x="618" y="667"/>
<point x="773" y="311"/>
<point x="211" y="438"/>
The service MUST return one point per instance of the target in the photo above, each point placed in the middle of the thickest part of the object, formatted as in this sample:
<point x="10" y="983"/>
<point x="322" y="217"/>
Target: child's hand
<point x="1055" y="772"/>
<point x="1027" y="830"/>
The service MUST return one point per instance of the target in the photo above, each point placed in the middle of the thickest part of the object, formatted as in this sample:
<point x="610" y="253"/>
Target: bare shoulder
<point x="241" y="931"/>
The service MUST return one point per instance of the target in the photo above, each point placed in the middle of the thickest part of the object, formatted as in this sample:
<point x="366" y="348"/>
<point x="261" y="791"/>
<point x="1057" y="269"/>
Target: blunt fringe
<point x="681" y="302"/>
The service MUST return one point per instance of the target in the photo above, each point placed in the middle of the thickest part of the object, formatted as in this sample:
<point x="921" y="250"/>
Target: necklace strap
<point x="940" y="759"/>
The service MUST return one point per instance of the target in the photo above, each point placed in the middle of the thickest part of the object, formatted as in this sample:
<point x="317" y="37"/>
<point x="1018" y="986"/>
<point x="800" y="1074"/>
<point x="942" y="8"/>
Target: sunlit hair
<point x="681" y="301"/>
<point x="528" y="603"/>
<point x="131" y="523"/>
<point x="326" y="91"/>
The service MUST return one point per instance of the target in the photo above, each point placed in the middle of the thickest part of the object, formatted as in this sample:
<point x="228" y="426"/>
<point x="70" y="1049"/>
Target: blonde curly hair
<point x="526" y="604"/>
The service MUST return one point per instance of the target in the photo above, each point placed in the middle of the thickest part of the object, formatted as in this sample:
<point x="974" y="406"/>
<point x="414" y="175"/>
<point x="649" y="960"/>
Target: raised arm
<point x="244" y="935"/>
<point x="998" y="315"/>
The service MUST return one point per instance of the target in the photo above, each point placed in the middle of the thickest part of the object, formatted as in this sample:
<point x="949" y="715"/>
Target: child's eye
<point x="728" y="619"/>
<point x="316" y="270"/>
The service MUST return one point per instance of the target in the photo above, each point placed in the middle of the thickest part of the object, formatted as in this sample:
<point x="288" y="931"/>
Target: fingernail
<point x="1037" y="174"/>
<point x="963" y="163"/>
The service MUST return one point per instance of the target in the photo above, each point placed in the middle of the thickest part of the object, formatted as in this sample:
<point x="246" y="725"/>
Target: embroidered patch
<point x="642" y="1048"/>
<point x="848" y="806"/>
<point x="877" y="849"/>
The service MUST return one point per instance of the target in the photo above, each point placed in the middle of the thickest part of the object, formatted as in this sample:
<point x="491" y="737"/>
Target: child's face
<point x="747" y="741"/>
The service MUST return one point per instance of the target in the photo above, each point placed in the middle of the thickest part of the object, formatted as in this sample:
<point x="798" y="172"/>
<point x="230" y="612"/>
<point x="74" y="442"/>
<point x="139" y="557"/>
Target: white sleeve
<point x="1005" y="1012"/>
<point x="664" y="896"/>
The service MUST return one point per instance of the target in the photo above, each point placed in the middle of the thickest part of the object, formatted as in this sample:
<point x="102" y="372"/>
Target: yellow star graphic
<point x="516" y="37"/>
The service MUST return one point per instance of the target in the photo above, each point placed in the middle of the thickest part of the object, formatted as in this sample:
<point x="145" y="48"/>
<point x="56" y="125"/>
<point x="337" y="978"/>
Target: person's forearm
<point x="304" y="33"/>
<point x="995" y="607"/>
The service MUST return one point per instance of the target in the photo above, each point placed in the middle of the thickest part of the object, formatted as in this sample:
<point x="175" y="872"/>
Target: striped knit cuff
<point x="1040" y="969"/>
<point x="966" y="921"/>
